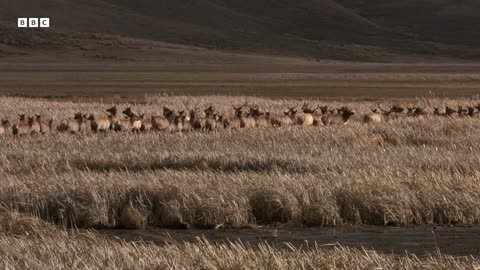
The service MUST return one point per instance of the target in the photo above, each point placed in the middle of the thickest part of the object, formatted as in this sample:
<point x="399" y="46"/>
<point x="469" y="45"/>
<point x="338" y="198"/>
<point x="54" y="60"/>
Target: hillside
<point x="316" y="29"/>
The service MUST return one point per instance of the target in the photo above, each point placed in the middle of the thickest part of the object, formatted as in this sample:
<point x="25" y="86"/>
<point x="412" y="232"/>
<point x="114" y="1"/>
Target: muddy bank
<point x="421" y="241"/>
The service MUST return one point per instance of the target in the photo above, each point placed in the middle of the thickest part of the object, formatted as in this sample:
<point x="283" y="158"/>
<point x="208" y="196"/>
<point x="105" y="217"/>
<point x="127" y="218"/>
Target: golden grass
<point x="404" y="172"/>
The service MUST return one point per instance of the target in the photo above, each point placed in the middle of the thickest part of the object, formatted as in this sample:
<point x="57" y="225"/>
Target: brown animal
<point x="304" y="118"/>
<point x="282" y="120"/>
<point x="449" y="111"/>
<point x="262" y="119"/>
<point x="160" y="123"/>
<point x="22" y="128"/>
<point x="75" y="125"/>
<point x="247" y="121"/>
<point x="135" y="120"/>
<point x="147" y="124"/>
<point x="34" y="125"/>
<point x="317" y="116"/>
<point x="185" y="118"/>
<point x="338" y="119"/>
<point x="112" y="116"/>
<point x="99" y="124"/>
<point x="436" y="111"/>
<point x="235" y="121"/>
<point x="5" y="127"/>
<point x="374" y="117"/>
<point x="471" y="112"/>
<point x="45" y="127"/>
<point x="212" y="124"/>
<point x="200" y="123"/>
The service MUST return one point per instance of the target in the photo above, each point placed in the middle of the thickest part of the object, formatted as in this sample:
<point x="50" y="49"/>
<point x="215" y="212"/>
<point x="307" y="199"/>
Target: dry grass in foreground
<point x="50" y="248"/>
<point x="403" y="172"/>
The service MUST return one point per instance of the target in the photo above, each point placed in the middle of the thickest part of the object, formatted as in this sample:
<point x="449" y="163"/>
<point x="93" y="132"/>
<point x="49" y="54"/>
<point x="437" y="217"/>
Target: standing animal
<point x="338" y="119"/>
<point x="185" y="118"/>
<point x="34" y="125"/>
<point x="45" y="127"/>
<point x="112" y="116"/>
<point x="22" y="128"/>
<point x="135" y="120"/>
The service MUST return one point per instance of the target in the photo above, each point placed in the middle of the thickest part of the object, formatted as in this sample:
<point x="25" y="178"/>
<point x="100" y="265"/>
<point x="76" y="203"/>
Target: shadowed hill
<point x="335" y="29"/>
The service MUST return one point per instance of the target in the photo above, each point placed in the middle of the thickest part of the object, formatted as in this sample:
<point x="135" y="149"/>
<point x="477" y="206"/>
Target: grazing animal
<point x="5" y="126"/>
<point x="22" y="128"/>
<point x="338" y="119"/>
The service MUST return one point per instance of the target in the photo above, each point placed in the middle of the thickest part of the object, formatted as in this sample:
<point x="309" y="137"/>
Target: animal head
<point x="112" y="110"/>
<point x="346" y="112"/>
<point x="238" y="110"/>
<point x="91" y="117"/>
<point x="128" y="112"/>
<point x="78" y="116"/>
<point x="22" y="117"/>
<point x="31" y="120"/>
<point x="436" y="111"/>
<point x="38" y="116"/>
<point x="307" y="109"/>
<point x="6" y="123"/>
<point x="419" y="111"/>
<point x="449" y="111"/>
<point x="255" y="111"/>
<point x="397" y="109"/>
<point x="167" y="112"/>
<point x="209" y="111"/>
<point x="293" y="110"/>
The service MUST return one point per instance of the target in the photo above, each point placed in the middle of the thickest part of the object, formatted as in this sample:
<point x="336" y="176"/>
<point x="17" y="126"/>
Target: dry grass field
<point x="402" y="172"/>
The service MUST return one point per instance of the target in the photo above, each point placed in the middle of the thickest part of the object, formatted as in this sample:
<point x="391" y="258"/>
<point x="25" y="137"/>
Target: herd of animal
<point x="244" y="117"/>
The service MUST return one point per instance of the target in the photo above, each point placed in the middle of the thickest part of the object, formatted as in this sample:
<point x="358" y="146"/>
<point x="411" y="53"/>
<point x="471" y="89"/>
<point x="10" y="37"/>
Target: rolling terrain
<point x="314" y="29"/>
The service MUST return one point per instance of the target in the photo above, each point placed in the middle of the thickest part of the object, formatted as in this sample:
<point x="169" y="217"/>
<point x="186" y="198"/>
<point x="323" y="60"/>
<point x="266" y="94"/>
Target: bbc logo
<point x="33" y="22"/>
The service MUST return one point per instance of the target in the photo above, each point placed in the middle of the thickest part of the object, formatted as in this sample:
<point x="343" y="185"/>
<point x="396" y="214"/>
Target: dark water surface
<point x="421" y="241"/>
